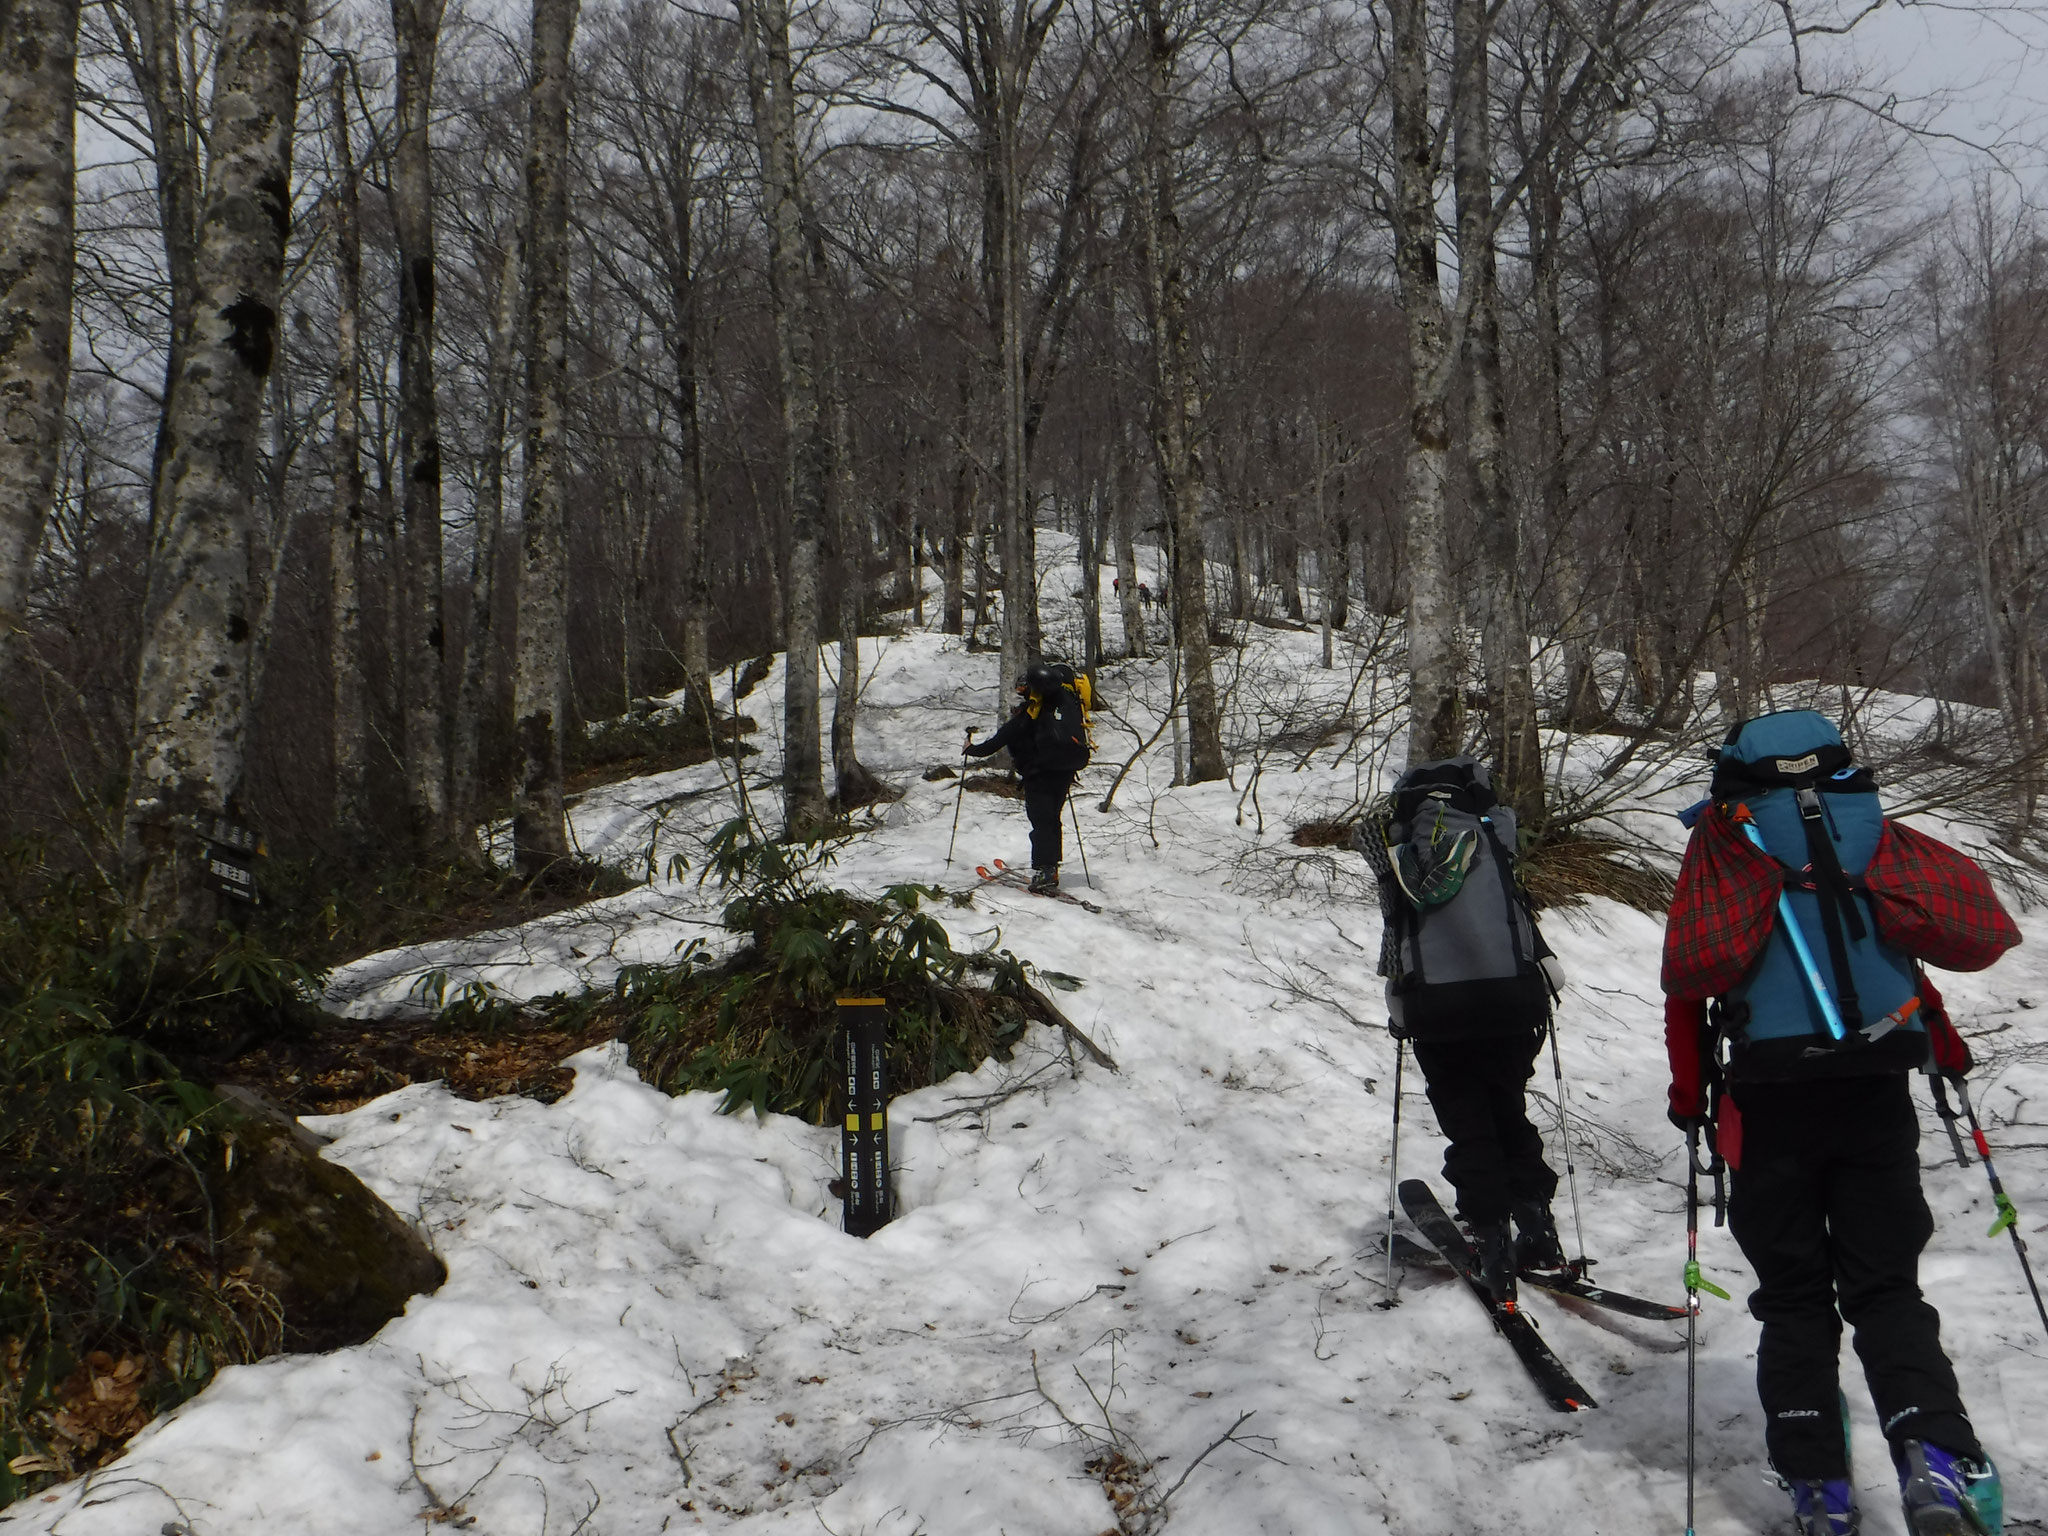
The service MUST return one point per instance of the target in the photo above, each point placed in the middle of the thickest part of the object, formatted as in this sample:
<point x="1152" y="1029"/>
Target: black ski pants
<point x="1045" y="802"/>
<point x="1827" y="1207"/>
<point x="1495" y="1157"/>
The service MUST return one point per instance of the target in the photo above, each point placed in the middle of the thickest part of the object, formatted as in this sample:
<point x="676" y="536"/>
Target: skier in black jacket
<point x="1047" y="737"/>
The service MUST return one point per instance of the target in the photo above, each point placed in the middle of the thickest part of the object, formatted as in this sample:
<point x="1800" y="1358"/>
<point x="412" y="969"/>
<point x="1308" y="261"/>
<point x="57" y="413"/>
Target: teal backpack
<point x="1825" y="978"/>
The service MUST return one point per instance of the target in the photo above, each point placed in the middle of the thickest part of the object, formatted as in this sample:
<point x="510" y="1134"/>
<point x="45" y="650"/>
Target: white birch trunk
<point x="38" y="85"/>
<point x="1436" y="723"/>
<point x="192" y="697"/>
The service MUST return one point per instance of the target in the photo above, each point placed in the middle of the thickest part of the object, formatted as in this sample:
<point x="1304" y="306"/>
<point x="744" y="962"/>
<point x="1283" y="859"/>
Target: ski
<point x="1571" y="1283"/>
<point x="1558" y="1386"/>
<point x="1568" y="1283"/>
<point x="1002" y="874"/>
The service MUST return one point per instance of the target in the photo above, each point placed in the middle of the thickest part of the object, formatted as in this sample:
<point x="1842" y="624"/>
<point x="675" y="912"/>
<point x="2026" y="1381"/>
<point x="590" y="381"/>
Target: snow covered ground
<point x="652" y="1323"/>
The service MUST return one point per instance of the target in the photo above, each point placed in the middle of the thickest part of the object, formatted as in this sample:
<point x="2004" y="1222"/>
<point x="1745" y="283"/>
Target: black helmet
<point x="1041" y="678"/>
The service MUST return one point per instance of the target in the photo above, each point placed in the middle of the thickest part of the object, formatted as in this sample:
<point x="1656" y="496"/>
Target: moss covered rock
<point x="340" y="1262"/>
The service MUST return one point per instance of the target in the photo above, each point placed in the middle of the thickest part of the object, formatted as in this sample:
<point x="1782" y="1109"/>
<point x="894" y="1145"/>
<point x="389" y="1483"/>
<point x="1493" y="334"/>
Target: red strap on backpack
<point x="1934" y="903"/>
<point x="1723" y="912"/>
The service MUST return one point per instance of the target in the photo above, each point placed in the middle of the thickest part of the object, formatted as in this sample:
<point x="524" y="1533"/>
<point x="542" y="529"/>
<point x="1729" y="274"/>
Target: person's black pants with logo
<point x="1827" y="1207"/>
<point x="1045" y="803"/>
<point x="1476" y="1087"/>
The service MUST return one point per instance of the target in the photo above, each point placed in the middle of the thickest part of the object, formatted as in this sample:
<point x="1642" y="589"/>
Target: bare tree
<point x="473" y="699"/>
<point x="1436" y="724"/>
<point x="416" y="27"/>
<point x="38" y="84"/>
<point x="807" y="446"/>
<point x="1986" y="373"/>
<point x="540" y="828"/>
<point x="351" y="726"/>
<point x="167" y="58"/>
<point x="191" y="712"/>
<point x="1177" y="399"/>
<point x="1503" y="615"/>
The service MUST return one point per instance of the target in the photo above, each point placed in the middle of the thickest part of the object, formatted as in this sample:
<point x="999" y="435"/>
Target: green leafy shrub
<point x="762" y="1026"/>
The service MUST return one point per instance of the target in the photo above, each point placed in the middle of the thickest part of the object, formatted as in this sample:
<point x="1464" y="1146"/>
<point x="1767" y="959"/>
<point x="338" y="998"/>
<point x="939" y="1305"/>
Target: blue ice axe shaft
<point x="1828" y="1011"/>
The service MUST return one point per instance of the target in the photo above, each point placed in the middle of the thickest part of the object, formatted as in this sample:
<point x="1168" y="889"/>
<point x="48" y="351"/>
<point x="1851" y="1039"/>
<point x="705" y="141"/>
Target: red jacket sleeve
<point x="1951" y="1052"/>
<point x="1685" y="1023"/>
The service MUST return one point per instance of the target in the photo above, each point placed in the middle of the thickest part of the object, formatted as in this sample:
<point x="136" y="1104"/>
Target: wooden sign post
<point x="864" y="1028"/>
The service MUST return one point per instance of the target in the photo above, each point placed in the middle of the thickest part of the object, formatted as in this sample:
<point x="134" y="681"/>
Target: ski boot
<point x="1045" y="880"/>
<point x="1495" y="1245"/>
<point x="1949" y="1495"/>
<point x="1823" y="1506"/>
<point x="1537" y="1246"/>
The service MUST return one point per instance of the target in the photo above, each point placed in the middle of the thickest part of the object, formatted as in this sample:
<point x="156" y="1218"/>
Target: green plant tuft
<point x="761" y="1027"/>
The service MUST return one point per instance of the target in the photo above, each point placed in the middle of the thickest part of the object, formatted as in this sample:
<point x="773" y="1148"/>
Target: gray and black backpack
<point x="1442" y="850"/>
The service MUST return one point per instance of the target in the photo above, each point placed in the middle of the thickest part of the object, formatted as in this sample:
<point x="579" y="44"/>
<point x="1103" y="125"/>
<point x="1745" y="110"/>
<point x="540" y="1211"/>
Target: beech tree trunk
<point x="473" y="698"/>
<point x="192" y="698"/>
<point x="540" y="829"/>
<point x="1178" y="412"/>
<point x="1503" y="620"/>
<point x="38" y="86"/>
<point x="1436" y="722"/>
<point x="806" y="434"/>
<point x="416" y="25"/>
<point x="345" y="530"/>
<point x="694" y="522"/>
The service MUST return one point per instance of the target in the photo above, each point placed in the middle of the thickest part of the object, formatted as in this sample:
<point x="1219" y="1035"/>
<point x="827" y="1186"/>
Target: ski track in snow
<point x="651" y="1322"/>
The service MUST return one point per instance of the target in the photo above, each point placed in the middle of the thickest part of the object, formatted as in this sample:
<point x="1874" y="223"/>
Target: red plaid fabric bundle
<point x="1724" y="911"/>
<point x="1932" y="902"/>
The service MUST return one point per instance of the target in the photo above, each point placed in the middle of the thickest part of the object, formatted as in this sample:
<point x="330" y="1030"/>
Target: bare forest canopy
<point x="392" y="391"/>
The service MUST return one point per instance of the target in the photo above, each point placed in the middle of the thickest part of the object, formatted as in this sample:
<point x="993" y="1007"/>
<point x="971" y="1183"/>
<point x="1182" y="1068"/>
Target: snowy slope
<point x="651" y="1322"/>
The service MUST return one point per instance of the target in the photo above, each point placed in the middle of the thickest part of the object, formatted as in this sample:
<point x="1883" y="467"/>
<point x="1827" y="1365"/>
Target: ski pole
<point x="2008" y="1215"/>
<point x="1393" y="1298"/>
<point x="1695" y="1282"/>
<point x="960" y="798"/>
<point x="1086" y="878"/>
<point x="1947" y="1112"/>
<point x="1564" y="1132"/>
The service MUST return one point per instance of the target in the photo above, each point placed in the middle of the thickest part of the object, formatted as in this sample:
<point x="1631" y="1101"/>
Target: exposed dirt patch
<point x="1000" y="784"/>
<point x="343" y="1063"/>
<point x="1321" y="834"/>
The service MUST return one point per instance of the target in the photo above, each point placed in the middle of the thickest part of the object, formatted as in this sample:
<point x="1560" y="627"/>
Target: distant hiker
<point x="1469" y="981"/>
<point x="1793" y="940"/>
<point x="1144" y="594"/>
<point x="1047" y="737"/>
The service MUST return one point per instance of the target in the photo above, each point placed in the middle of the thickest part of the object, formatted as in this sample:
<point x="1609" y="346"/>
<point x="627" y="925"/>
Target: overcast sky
<point x="1978" y="71"/>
